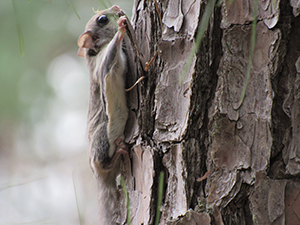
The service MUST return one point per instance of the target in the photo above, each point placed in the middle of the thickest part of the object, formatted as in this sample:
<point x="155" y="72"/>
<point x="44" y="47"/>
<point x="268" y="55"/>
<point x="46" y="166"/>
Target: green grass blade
<point x="104" y="5"/>
<point x="76" y="195"/>
<point x="19" y="30"/>
<point x="219" y="3"/>
<point x="252" y="46"/>
<point x="202" y="28"/>
<point x="127" y="200"/>
<point x="73" y="8"/>
<point x="6" y="186"/>
<point x="160" y="193"/>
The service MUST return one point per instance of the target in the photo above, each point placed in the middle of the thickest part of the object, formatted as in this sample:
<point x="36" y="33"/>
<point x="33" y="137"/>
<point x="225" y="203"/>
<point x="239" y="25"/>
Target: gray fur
<point x="111" y="68"/>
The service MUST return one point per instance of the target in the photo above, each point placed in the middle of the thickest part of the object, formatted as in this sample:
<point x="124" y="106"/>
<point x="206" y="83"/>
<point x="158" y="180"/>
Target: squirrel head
<point x="99" y="31"/>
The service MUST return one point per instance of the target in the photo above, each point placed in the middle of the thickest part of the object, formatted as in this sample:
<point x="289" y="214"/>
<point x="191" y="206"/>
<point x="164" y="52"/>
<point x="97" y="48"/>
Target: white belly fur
<point x="116" y="102"/>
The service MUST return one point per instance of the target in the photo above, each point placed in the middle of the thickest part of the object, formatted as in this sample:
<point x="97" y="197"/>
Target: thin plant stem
<point x="128" y="221"/>
<point x="252" y="46"/>
<point x="19" y="30"/>
<point x="70" y="3"/>
<point x="77" y="200"/>
<point x="159" y="200"/>
<point x="202" y="28"/>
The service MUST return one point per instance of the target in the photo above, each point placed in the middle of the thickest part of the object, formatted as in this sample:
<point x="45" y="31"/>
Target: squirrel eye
<point x="102" y="20"/>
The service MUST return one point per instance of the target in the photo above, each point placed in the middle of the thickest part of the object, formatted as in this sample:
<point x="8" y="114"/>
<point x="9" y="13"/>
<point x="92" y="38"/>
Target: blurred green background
<point x="43" y="106"/>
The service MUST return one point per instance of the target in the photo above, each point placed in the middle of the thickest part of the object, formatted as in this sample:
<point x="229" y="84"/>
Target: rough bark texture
<point x="250" y="148"/>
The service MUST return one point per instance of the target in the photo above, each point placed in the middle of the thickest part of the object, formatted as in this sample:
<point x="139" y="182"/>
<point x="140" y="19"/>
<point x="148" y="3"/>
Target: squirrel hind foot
<point x="121" y="149"/>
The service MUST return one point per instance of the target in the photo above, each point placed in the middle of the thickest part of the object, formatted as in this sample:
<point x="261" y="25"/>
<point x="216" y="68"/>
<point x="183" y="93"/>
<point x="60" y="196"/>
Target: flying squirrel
<point x="112" y="110"/>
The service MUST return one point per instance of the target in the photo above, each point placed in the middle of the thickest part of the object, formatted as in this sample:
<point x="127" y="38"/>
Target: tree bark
<point x="246" y="152"/>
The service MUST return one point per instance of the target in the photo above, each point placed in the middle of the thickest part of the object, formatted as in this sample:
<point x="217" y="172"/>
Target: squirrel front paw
<point x="121" y="27"/>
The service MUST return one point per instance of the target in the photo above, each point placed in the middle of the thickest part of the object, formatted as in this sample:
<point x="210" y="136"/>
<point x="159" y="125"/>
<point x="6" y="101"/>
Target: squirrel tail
<point x="110" y="202"/>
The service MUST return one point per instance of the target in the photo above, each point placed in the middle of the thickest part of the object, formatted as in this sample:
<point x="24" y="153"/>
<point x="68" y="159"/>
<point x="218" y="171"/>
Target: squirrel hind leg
<point x="121" y="149"/>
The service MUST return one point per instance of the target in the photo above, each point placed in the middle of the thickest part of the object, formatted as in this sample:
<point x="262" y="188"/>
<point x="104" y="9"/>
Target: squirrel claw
<point x="121" y="147"/>
<point x="121" y="21"/>
<point x="121" y="28"/>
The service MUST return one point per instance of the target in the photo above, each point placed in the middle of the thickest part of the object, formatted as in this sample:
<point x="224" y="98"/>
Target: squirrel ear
<point x="80" y="52"/>
<point x="85" y="41"/>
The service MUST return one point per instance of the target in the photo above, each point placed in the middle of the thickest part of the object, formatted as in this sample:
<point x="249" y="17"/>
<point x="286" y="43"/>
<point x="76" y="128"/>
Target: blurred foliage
<point x="40" y="135"/>
<point x="22" y="80"/>
<point x="33" y="33"/>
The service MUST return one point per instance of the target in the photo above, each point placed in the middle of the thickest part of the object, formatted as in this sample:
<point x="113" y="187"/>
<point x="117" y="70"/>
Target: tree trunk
<point x="246" y="153"/>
